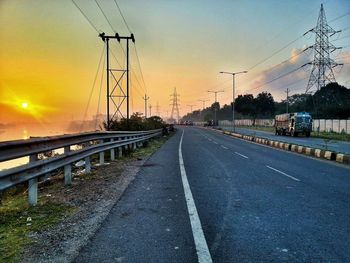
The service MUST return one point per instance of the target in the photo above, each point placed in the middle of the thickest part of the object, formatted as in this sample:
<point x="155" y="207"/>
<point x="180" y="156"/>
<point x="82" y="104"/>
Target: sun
<point x="24" y="105"/>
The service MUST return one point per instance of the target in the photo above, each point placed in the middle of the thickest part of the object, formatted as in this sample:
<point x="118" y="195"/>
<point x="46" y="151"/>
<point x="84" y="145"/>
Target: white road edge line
<point x="224" y="147"/>
<point x="241" y="155"/>
<point x="197" y="231"/>
<point x="278" y="171"/>
<point x="215" y="142"/>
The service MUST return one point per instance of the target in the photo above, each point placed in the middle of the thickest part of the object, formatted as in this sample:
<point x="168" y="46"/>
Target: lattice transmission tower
<point x="175" y="106"/>
<point x="322" y="64"/>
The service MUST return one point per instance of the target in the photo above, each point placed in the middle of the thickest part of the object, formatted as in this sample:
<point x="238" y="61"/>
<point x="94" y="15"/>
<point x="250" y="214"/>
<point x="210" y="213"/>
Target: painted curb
<point x="319" y="153"/>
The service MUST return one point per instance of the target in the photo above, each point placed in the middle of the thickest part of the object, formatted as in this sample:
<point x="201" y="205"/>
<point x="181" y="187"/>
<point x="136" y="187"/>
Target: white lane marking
<point x="209" y="139"/>
<point x="215" y="142"/>
<point x="278" y="171"/>
<point x="224" y="147"/>
<point x="241" y="155"/>
<point x="197" y="231"/>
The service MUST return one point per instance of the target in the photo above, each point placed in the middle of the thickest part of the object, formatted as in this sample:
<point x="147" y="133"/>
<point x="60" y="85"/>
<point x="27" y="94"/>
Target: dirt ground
<point x="92" y="195"/>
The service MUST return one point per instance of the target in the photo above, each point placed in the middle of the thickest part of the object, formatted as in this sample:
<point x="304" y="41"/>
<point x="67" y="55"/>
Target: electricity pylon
<point x="322" y="65"/>
<point x="175" y="106"/>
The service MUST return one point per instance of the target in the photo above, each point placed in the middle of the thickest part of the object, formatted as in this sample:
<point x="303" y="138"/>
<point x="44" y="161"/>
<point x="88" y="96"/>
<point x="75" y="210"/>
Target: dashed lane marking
<point x="241" y="155"/>
<point x="278" y="171"/>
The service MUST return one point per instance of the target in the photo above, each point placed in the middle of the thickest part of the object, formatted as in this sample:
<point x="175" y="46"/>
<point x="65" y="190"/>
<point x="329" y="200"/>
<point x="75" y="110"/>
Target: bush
<point x="136" y="123"/>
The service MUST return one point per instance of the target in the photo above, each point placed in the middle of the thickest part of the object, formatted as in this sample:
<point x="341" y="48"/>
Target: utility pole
<point x="150" y="110"/>
<point x="157" y="109"/>
<point x="191" y="106"/>
<point x="287" y="101"/>
<point x="215" y="109"/>
<point x="145" y="98"/>
<point x="110" y="72"/>
<point x="322" y="65"/>
<point x="233" y="94"/>
<point x="203" y="101"/>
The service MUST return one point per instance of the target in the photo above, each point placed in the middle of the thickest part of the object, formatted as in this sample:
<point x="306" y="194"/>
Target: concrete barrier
<point x="329" y="155"/>
<point x="294" y="148"/>
<point x="300" y="149"/>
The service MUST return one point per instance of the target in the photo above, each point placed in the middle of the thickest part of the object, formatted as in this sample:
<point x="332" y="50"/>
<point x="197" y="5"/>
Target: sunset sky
<point x="49" y="54"/>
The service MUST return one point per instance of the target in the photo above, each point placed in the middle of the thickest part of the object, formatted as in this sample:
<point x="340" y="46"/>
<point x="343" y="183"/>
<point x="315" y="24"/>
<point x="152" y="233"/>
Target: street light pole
<point x="233" y="94"/>
<point x="215" y="109"/>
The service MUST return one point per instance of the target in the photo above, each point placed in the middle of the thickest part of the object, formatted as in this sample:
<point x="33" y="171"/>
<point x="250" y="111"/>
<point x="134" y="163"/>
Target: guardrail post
<point x="67" y="169"/>
<point x="112" y="152"/>
<point x="102" y="155"/>
<point x="87" y="165"/>
<point x="120" y="149"/>
<point x="33" y="185"/>
<point x="127" y="147"/>
<point x="134" y="144"/>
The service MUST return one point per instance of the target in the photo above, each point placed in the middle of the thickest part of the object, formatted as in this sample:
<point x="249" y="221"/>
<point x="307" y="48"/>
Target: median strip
<point x="300" y="149"/>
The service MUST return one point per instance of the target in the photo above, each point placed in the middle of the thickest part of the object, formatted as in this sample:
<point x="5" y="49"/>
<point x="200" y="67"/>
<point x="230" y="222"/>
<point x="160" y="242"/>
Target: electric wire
<point x="90" y="22"/>
<point x="341" y="16"/>
<point x="91" y="91"/>
<point x="126" y="24"/>
<point x="99" y="94"/>
<point x="105" y="16"/>
<point x="277" y="78"/>
<point x="276" y="52"/>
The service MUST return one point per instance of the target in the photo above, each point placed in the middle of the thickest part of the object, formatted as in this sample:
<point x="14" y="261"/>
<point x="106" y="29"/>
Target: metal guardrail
<point x="92" y="142"/>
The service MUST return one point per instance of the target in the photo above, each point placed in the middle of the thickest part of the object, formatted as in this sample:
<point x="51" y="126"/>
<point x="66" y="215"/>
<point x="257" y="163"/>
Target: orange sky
<point x="49" y="52"/>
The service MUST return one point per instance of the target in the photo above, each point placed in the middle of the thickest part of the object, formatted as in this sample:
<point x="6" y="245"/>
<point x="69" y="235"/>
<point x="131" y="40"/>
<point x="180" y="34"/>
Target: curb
<point x="300" y="149"/>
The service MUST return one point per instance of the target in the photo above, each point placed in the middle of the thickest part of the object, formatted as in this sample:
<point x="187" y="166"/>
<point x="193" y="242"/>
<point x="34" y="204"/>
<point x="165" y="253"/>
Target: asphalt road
<point x="337" y="146"/>
<point x="255" y="204"/>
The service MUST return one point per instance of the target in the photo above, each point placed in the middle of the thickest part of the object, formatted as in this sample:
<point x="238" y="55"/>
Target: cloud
<point x="269" y="80"/>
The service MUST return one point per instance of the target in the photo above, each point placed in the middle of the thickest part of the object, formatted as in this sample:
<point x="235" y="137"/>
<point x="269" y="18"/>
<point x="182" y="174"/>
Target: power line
<point x="276" y="52"/>
<point x="126" y="24"/>
<point x="91" y="91"/>
<point x="81" y="11"/>
<point x="279" y="77"/>
<point x="334" y="19"/>
<point x="105" y="16"/>
<point x="99" y="95"/>
<point x="139" y="63"/>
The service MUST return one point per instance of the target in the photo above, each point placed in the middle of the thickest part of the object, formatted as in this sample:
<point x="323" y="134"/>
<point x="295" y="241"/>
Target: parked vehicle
<point x="293" y="124"/>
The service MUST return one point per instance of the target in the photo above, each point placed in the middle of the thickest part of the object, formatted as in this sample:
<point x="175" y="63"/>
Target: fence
<point x="91" y="143"/>
<point x="321" y="125"/>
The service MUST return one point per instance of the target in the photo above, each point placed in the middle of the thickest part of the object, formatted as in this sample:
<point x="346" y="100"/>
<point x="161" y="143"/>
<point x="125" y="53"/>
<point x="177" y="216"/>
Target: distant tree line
<point x="331" y="102"/>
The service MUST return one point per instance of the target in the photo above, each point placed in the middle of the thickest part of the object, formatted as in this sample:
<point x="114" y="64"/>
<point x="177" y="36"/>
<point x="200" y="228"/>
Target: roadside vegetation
<point x="330" y="102"/>
<point x="19" y="222"/>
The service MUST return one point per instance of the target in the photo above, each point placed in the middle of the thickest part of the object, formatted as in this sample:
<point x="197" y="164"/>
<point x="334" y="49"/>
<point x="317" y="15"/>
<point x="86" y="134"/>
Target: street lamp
<point x="215" y="109"/>
<point x="233" y="93"/>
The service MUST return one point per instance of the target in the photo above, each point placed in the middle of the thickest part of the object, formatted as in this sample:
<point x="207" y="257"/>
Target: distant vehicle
<point x="293" y="124"/>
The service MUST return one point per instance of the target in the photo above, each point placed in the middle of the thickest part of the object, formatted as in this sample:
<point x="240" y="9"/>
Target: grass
<point x="18" y="221"/>
<point x="332" y="136"/>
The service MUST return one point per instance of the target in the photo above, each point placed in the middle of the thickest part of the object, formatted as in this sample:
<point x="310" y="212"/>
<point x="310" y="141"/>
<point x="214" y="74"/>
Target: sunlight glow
<point x="24" y="105"/>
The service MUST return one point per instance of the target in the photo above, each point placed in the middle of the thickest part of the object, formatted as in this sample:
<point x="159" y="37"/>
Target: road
<point x="337" y="146"/>
<point x="247" y="203"/>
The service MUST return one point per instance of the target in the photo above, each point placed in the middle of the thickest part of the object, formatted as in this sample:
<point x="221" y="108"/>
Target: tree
<point x="264" y="105"/>
<point x="245" y="104"/>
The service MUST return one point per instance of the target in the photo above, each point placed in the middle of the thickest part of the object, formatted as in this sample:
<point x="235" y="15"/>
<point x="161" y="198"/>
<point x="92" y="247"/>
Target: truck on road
<point x="293" y="124"/>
